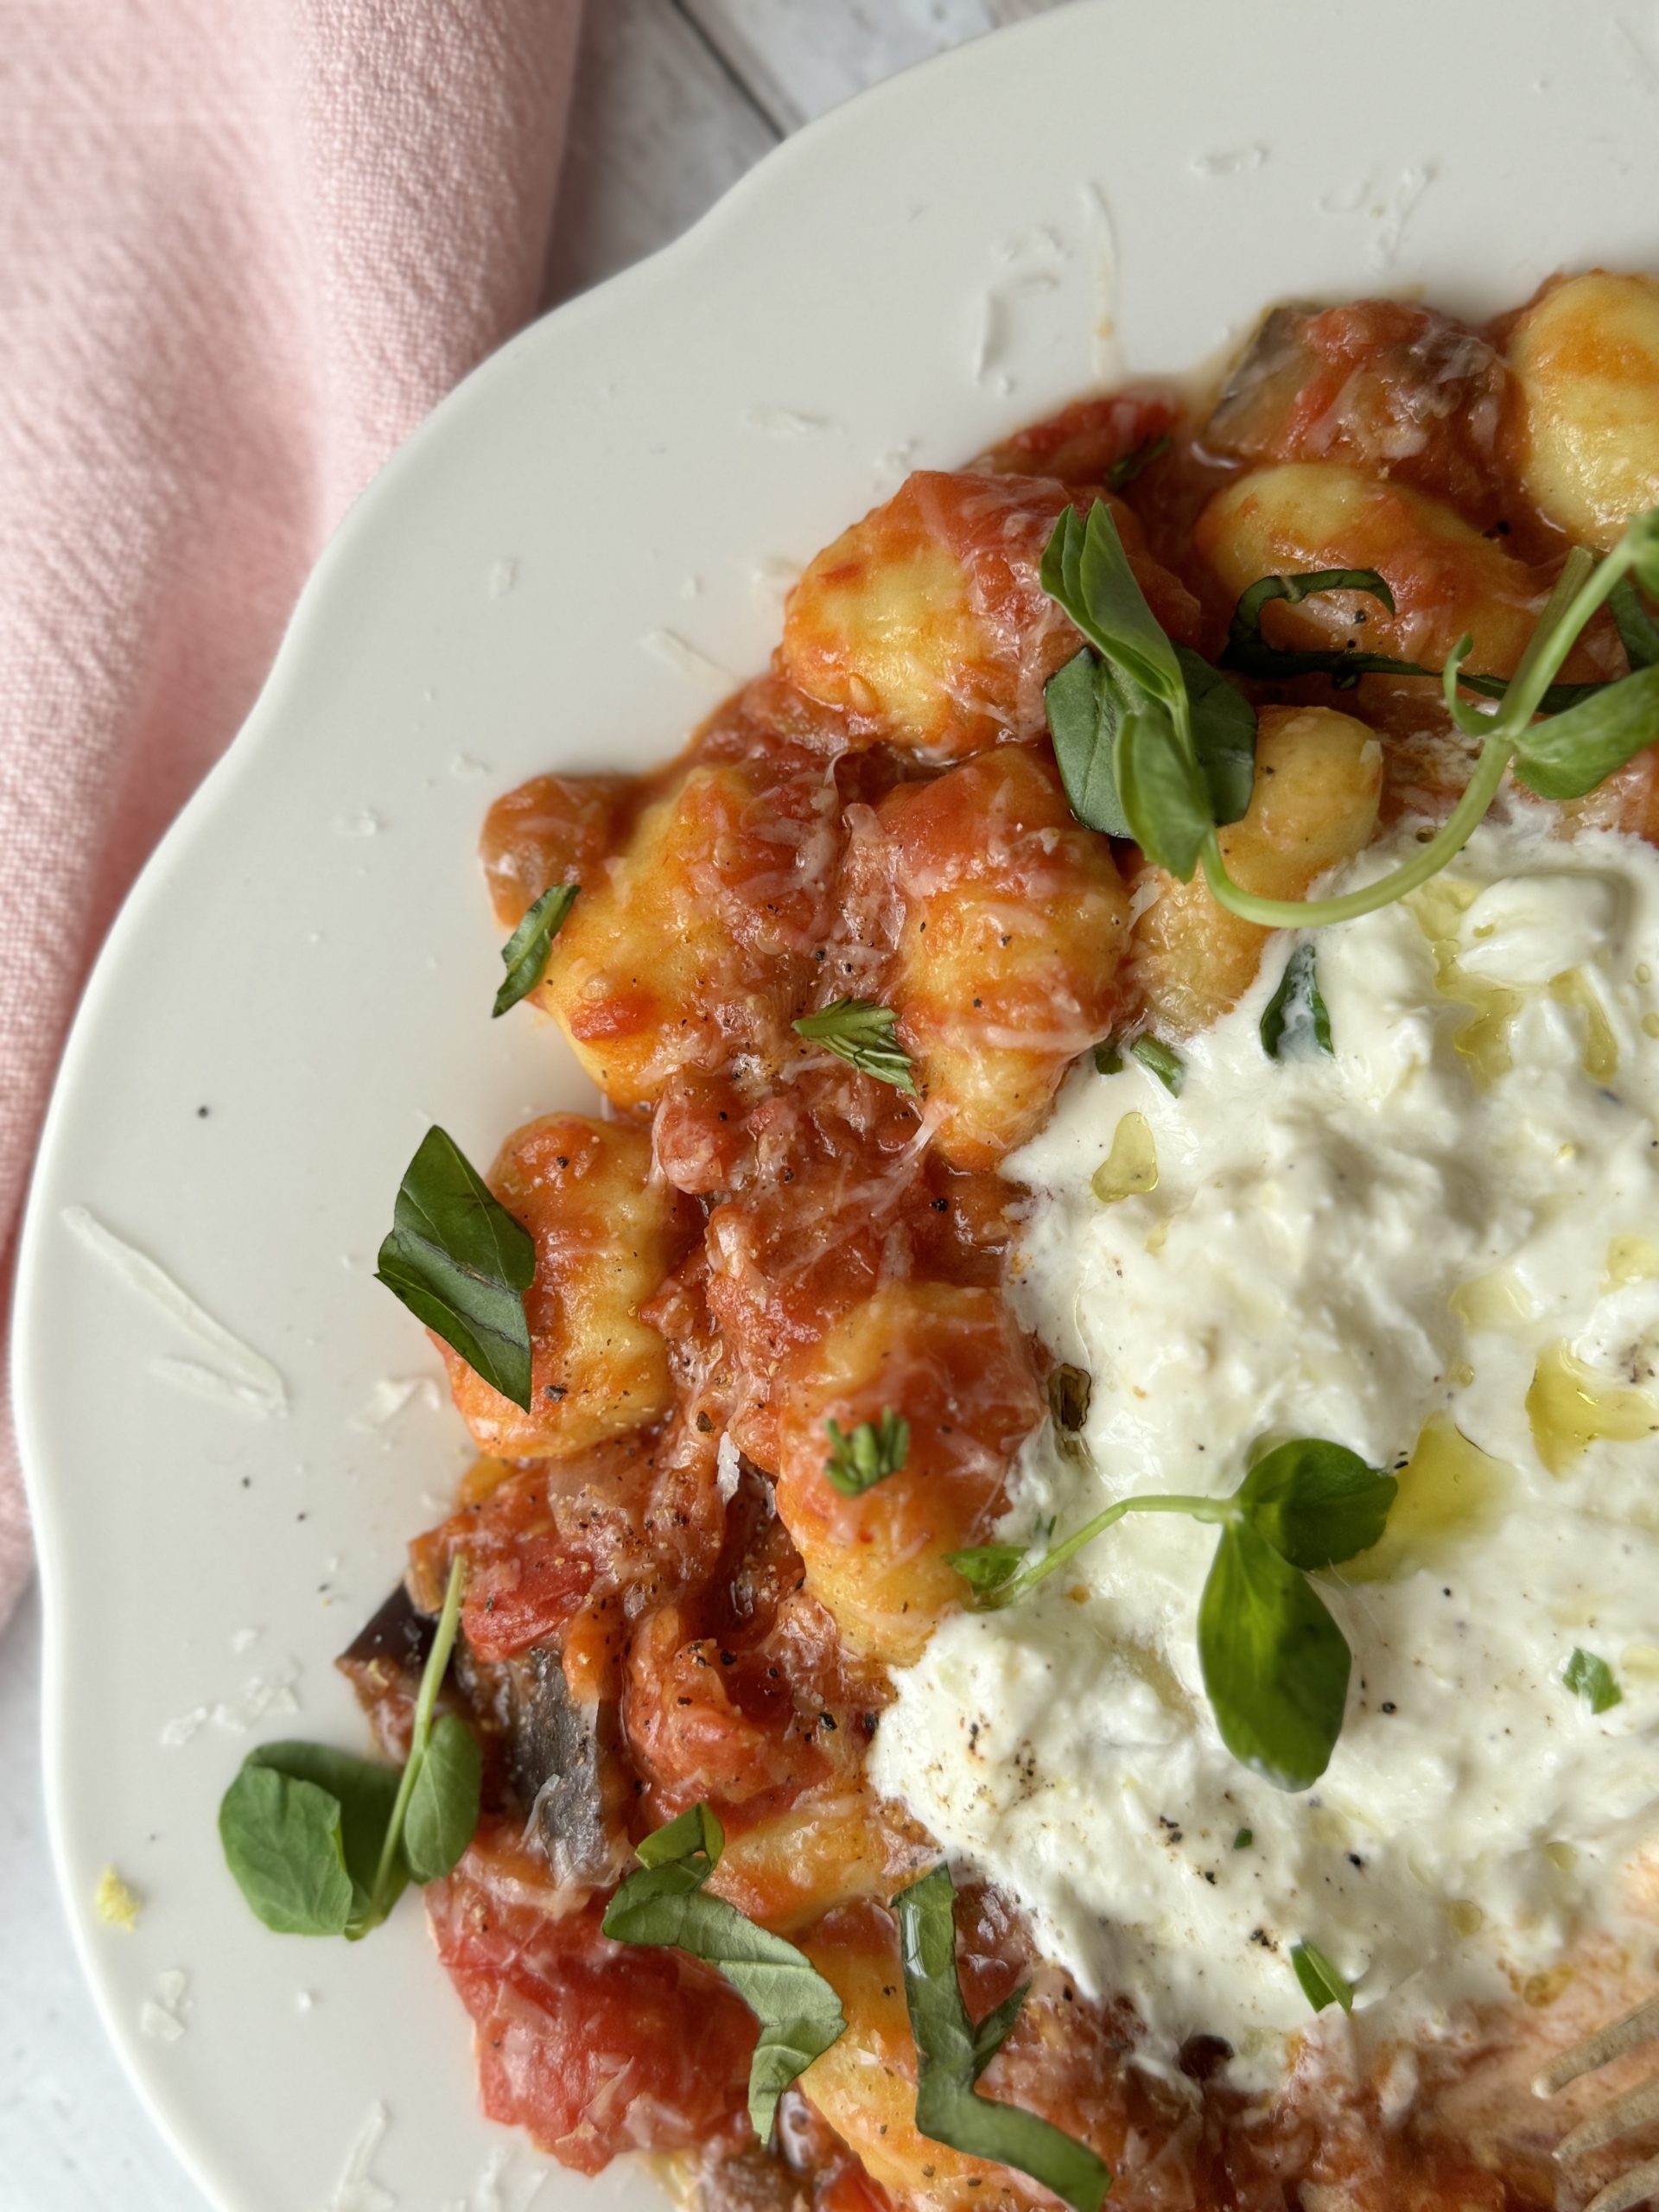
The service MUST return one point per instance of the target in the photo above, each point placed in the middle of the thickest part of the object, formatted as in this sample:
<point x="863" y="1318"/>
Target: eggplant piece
<point x="390" y="1652"/>
<point x="561" y="1759"/>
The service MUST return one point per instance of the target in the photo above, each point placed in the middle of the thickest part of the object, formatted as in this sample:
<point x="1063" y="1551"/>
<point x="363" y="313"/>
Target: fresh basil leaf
<point x="1223" y="736"/>
<point x="1086" y="569"/>
<point x="1570" y="754"/>
<point x="1251" y="654"/>
<point x="1161" y="1060"/>
<point x="995" y="2028"/>
<point x="1124" y="471"/>
<point x="460" y="1263"/>
<point x="987" y="1566"/>
<point x="863" y="1034"/>
<point x="443" y="1810"/>
<point x="1166" y="799"/>
<point x="1296" y="1022"/>
<point x="1085" y="705"/>
<point x="1322" y="1985"/>
<point x="873" y="1451"/>
<point x="1316" y="1503"/>
<point x="526" y="952"/>
<point x="950" y="2056"/>
<point x="1275" y="1665"/>
<point x="1592" y="1678"/>
<point x="799" y="2013"/>
<point x="281" y="1841"/>
<point x="694" y="1835"/>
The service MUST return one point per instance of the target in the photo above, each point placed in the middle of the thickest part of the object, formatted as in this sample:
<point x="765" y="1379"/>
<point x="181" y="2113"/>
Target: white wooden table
<point x="674" y="100"/>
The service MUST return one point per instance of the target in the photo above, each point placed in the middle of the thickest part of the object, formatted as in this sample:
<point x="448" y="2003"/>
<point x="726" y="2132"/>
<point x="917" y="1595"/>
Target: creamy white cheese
<point x="1304" y="1266"/>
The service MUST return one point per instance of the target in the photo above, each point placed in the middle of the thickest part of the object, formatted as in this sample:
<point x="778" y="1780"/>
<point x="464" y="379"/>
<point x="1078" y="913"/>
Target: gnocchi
<point x="1586" y="359"/>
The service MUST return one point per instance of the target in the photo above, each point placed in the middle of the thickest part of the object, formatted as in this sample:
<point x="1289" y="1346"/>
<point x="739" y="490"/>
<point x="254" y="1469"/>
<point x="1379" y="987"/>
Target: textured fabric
<point x="245" y="246"/>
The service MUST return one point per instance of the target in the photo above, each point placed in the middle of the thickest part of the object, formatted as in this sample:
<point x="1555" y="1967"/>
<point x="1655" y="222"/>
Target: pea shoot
<point x="1275" y="1664"/>
<point x="1154" y="743"/>
<point x="322" y="1843"/>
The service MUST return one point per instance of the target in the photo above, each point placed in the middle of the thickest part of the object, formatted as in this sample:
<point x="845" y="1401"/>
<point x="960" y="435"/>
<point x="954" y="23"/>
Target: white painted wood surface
<point x="674" y="100"/>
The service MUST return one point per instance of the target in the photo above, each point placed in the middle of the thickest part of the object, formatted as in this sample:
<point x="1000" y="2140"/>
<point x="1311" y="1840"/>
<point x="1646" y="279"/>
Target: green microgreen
<point x="1322" y="1985"/>
<point x="1151" y="741"/>
<point x="460" y="1263"/>
<point x="321" y="1842"/>
<point x="664" y="1903"/>
<point x="526" y="952"/>
<point x="1250" y="653"/>
<point x="951" y="2054"/>
<point x="1593" y="1680"/>
<point x="1275" y="1664"/>
<point x="866" y="1036"/>
<point x="876" y="1450"/>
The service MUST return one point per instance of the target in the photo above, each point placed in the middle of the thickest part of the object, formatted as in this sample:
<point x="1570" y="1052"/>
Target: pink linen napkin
<point x="245" y="246"/>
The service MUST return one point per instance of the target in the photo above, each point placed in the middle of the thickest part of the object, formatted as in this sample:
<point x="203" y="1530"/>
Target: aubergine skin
<point x="560" y="1756"/>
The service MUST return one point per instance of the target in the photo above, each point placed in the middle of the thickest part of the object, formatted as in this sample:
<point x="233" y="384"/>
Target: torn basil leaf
<point x="1251" y="654"/>
<point x="664" y="1904"/>
<point x="1593" y="1680"/>
<point x="1084" y="704"/>
<point x="1296" y="1022"/>
<point x="526" y="952"/>
<point x="951" y="2055"/>
<point x="1086" y="569"/>
<point x="1322" y="1985"/>
<point x="694" y="1835"/>
<point x="460" y="1263"/>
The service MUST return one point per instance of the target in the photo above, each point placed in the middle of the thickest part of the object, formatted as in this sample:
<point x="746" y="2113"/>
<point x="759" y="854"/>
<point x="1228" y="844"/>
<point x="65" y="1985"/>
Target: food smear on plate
<point x="1055" y="1597"/>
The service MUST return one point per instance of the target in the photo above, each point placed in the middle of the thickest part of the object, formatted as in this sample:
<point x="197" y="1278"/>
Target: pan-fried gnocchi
<point x="1585" y="361"/>
<point x="828" y="971"/>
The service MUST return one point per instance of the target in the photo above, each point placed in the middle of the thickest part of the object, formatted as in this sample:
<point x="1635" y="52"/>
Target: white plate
<point x="558" y="571"/>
